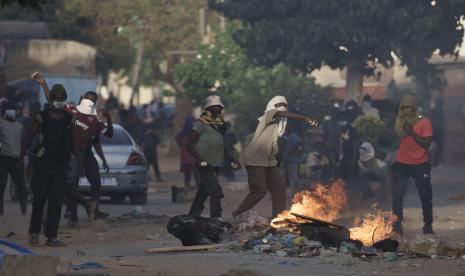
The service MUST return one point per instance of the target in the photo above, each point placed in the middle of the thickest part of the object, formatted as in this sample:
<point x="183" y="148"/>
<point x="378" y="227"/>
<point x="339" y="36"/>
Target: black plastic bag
<point x="197" y="230"/>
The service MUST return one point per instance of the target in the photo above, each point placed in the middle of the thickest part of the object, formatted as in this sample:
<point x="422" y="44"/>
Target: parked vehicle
<point x="128" y="169"/>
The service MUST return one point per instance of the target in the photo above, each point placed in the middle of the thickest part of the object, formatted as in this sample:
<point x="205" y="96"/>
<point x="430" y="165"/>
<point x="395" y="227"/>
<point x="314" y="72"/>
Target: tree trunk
<point x="354" y="84"/>
<point x="135" y="83"/>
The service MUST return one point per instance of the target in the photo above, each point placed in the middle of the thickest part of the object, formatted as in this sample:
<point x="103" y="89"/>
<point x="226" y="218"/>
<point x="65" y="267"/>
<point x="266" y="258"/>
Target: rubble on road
<point x="139" y="213"/>
<point x="429" y="245"/>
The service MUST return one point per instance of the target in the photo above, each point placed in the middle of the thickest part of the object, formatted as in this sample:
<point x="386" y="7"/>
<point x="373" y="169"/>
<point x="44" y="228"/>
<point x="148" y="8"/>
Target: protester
<point x="347" y="167"/>
<point x="373" y="171"/>
<point x="412" y="161"/>
<point x="86" y="127"/>
<point x="260" y="157"/>
<point x="332" y="134"/>
<point x="352" y="111"/>
<point x="52" y="156"/>
<point x="206" y="144"/>
<point x="10" y="151"/>
<point x="150" y="142"/>
<point x="188" y="163"/>
<point x="318" y="163"/>
<point x="368" y="109"/>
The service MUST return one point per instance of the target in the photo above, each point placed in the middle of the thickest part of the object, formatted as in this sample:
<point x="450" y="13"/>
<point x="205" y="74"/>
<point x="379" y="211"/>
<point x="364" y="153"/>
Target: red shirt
<point x="410" y="152"/>
<point x="85" y="127"/>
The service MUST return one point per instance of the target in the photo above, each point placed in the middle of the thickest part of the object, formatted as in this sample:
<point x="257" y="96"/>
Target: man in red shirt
<point x="412" y="160"/>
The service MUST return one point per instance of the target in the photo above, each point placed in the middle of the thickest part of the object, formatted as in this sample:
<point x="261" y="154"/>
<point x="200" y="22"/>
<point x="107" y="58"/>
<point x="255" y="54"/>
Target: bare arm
<point x="37" y="77"/>
<point x="295" y="116"/>
<point x="99" y="151"/>
<point x="109" y="132"/>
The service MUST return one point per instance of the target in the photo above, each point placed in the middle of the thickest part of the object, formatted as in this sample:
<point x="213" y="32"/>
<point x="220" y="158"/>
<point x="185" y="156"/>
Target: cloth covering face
<point x="407" y="115"/>
<point x="87" y="107"/>
<point x="272" y="105"/>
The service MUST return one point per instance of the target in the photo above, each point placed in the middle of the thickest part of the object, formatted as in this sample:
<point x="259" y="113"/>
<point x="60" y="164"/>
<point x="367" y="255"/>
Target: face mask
<point x="10" y="113"/>
<point x="58" y="105"/>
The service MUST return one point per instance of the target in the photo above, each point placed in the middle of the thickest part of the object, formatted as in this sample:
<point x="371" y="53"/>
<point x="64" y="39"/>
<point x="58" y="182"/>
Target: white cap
<point x="214" y="100"/>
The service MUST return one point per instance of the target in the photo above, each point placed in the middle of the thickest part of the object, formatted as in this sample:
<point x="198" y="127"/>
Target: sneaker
<point x="34" y="239"/>
<point x="53" y="242"/>
<point x="428" y="229"/>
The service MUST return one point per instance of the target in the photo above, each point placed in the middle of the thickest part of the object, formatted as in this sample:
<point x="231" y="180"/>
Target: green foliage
<point x="369" y="128"/>
<point x="223" y="68"/>
<point x="35" y="4"/>
<point x="339" y="33"/>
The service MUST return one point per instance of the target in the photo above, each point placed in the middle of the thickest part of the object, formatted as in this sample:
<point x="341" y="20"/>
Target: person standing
<point x="150" y="142"/>
<point x="11" y="132"/>
<point x="188" y="163"/>
<point x="260" y="157"/>
<point x="86" y="127"/>
<point x="53" y="126"/>
<point x="206" y="144"/>
<point x="412" y="161"/>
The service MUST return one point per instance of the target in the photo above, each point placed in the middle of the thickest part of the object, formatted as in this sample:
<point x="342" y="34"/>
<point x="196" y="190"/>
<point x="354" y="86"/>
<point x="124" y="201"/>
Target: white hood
<point x="282" y="121"/>
<point x="87" y="107"/>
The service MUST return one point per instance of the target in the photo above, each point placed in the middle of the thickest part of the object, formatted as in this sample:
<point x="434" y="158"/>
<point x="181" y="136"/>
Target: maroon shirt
<point x="85" y="127"/>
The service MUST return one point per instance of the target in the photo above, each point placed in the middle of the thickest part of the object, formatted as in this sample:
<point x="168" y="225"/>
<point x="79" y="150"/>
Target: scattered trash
<point x="391" y="257"/>
<point x="12" y="248"/>
<point x="152" y="237"/>
<point x="428" y="245"/>
<point x="88" y="265"/>
<point x="387" y="245"/>
<point x="347" y="247"/>
<point x="281" y="253"/>
<point x="197" y="230"/>
<point x="139" y="213"/>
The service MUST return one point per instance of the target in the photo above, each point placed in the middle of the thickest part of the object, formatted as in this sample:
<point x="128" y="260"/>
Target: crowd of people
<point x="281" y="153"/>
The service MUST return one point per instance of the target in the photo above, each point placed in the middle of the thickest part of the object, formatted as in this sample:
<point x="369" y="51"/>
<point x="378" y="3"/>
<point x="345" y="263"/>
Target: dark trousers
<point x="209" y="186"/>
<point x="152" y="160"/>
<point x="261" y="180"/>
<point x="11" y="166"/>
<point x="92" y="173"/>
<point x="421" y="174"/>
<point x="47" y="185"/>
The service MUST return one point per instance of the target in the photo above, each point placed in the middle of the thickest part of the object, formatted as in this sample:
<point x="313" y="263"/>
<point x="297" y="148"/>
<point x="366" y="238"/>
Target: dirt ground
<point x="119" y="244"/>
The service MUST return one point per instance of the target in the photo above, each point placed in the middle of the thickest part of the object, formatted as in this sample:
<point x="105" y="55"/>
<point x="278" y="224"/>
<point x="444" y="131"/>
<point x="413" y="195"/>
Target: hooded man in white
<point x="260" y="160"/>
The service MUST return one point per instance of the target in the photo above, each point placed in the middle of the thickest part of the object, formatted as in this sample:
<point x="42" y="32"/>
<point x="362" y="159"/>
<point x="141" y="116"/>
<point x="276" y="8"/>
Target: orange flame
<point x="373" y="227"/>
<point x="324" y="203"/>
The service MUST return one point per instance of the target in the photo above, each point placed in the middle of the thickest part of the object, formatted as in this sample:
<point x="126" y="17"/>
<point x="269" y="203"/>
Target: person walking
<point x="412" y="161"/>
<point x="53" y="126"/>
<point x="206" y="144"/>
<point x="11" y="132"/>
<point x="260" y="157"/>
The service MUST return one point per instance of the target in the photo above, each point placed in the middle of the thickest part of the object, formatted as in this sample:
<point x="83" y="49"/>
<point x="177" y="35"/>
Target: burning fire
<point x="373" y="227"/>
<point x="324" y="203"/>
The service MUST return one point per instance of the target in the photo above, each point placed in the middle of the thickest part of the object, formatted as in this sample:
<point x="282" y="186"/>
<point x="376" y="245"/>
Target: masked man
<point x="260" y="157"/>
<point x="53" y="127"/>
<point x="85" y="131"/>
<point x="206" y="144"/>
<point x="412" y="161"/>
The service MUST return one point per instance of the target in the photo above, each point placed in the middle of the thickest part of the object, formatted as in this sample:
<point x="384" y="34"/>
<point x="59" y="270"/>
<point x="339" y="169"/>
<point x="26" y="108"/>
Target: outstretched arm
<point x="290" y="115"/>
<point x="37" y="77"/>
<point x="109" y="132"/>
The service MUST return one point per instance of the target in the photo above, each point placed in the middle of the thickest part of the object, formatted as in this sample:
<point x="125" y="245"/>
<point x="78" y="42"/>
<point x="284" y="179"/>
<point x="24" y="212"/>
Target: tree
<point x="224" y="69"/>
<point x="352" y="34"/>
<point x="35" y="4"/>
